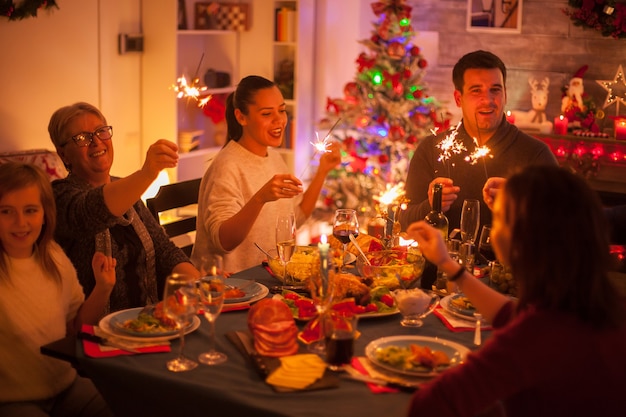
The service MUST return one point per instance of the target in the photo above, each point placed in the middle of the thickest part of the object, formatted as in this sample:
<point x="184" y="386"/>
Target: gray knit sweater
<point x="81" y="213"/>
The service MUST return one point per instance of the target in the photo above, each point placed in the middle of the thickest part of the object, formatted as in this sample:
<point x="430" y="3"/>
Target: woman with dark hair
<point x="559" y="348"/>
<point x="248" y="185"/>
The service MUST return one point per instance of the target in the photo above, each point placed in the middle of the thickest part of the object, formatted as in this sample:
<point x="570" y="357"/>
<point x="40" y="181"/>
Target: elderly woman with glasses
<point x="98" y="212"/>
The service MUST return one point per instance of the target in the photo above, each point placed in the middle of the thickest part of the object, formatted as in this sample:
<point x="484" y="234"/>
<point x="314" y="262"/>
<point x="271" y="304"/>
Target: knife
<point x="105" y="342"/>
<point x="255" y="358"/>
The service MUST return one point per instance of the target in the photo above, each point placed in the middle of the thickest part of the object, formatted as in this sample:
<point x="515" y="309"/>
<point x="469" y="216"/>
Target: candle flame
<point x="323" y="239"/>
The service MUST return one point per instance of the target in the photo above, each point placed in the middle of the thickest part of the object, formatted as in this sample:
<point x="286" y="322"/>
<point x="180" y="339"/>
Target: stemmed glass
<point x="211" y="292"/>
<point x="345" y="224"/>
<point x="470" y="220"/>
<point x="180" y="302"/>
<point x="484" y="245"/>
<point x="285" y="241"/>
<point x="322" y="288"/>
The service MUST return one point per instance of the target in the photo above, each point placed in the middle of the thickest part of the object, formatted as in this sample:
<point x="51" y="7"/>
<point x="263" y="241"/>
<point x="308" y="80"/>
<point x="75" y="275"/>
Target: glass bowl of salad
<point x="400" y="267"/>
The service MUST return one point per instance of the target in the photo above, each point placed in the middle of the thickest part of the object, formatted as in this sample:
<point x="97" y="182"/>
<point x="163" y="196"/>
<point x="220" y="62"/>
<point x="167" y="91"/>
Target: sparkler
<point x="481" y="152"/>
<point x="192" y="90"/>
<point x="450" y="145"/>
<point x="320" y="146"/>
<point x="391" y="201"/>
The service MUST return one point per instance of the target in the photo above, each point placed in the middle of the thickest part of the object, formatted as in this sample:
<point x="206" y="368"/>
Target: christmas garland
<point x="606" y="16"/>
<point x="25" y="8"/>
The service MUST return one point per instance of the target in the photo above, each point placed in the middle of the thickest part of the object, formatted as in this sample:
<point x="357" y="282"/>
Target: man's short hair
<point x="476" y="60"/>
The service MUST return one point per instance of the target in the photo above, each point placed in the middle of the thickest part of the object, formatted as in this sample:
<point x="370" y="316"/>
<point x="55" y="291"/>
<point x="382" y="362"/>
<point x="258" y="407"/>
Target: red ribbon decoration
<point x="392" y="7"/>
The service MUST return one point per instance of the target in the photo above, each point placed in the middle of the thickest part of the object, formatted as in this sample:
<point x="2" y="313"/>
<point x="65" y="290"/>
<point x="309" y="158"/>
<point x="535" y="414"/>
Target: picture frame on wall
<point x="204" y="18"/>
<point x="494" y="16"/>
<point x="221" y="16"/>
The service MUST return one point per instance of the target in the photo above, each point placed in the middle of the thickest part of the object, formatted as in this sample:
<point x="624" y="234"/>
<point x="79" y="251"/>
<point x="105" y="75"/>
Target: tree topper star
<point x="616" y="89"/>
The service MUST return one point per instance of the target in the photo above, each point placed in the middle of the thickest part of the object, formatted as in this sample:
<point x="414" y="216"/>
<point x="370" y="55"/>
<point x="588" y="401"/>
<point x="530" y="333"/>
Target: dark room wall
<point x="549" y="45"/>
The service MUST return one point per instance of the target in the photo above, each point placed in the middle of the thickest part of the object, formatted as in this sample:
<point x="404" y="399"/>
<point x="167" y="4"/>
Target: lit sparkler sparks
<point x="479" y="152"/>
<point x="192" y="91"/>
<point x="390" y="202"/>
<point x="320" y="146"/>
<point x="450" y="145"/>
<point x="392" y="194"/>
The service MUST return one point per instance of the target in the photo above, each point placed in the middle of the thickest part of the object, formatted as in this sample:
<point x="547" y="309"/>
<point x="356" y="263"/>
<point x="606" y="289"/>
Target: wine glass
<point x="180" y="302"/>
<point x="470" y="220"/>
<point x="345" y="224"/>
<point x="321" y="285"/>
<point x="285" y="241"/>
<point x="484" y="245"/>
<point x="211" y="292"/>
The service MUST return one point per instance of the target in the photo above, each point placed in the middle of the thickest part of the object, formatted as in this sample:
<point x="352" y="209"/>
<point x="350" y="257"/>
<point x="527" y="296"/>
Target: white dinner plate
<point x="262" y="293"/>
<point x="117" y="320"/>
<point x="106" y="326"/>
<point x="445" y="304"/>
<point x="251" y="290"/>
<point x="455" y="352"/>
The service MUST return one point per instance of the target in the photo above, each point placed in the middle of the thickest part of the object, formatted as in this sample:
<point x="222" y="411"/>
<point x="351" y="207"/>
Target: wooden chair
<point x="175" y="196"/>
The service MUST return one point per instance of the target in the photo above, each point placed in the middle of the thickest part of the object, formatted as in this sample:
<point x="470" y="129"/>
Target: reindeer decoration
<point x="535" y="118"/>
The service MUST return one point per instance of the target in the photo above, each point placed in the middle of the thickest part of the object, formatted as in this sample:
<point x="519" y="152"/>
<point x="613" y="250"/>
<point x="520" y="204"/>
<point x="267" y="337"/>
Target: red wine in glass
<point x="344" y="225"/>
<point x="344" y="235"/>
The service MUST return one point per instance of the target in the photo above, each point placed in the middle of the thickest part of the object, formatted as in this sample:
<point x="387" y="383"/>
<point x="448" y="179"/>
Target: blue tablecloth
<point x="140" y="385"/>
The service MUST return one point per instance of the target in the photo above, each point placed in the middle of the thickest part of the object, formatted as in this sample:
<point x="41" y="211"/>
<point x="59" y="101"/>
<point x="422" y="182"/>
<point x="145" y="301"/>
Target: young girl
<point x="41" y="301"/>
<point x="248" y="185"/>
<point x="559" y="349"/>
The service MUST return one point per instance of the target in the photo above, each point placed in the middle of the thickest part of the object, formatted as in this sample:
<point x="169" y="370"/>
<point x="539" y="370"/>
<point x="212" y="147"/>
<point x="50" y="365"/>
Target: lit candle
<point x="560" y="125"/>
<point x="620" y="129"/>
<point x="323" y="247"/>
<point x="510" y="117"/>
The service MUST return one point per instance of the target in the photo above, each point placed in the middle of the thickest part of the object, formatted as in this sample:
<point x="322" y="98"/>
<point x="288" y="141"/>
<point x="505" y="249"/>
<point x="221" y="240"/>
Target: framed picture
<point x="204" y="18"/>
<point x="494" y="16"/>
<point x="221" y="16"/>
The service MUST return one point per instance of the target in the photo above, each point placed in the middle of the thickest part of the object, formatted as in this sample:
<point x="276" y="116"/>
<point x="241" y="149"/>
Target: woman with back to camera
<point x="98" y="211"/>
<point x="559" y="348"/>
<point x="248" y="183"/>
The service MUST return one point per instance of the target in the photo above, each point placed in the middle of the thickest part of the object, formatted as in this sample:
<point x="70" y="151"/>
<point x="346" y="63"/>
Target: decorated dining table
<point x="139" y="383"/>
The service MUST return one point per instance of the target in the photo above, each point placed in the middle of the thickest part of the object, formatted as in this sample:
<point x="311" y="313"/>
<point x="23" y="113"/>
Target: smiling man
<point x="479" y="79"/>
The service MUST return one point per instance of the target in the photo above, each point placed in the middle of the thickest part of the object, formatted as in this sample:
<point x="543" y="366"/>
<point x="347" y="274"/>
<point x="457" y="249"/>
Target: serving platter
<point x="455" y="351"/>
<point x="107" y="326"/>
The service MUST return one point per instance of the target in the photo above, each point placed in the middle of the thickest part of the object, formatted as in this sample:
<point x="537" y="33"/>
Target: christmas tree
<point x="384" y="113"/>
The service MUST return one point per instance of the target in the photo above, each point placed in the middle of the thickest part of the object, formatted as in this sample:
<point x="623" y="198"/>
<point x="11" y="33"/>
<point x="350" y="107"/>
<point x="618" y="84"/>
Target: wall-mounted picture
<point x="494" y="16"/>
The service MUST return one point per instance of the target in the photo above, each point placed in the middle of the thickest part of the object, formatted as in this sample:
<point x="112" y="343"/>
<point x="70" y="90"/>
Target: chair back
<point x="175" y="196"/>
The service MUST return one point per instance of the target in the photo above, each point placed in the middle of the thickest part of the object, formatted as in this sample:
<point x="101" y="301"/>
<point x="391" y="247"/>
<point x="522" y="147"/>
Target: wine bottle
<point x="436" y="218"/>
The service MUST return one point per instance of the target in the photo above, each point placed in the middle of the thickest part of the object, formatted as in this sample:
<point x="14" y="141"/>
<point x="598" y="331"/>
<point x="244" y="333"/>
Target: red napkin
<point x="95" y="350"/>
<point x="454" y="324"/>
<point x="375" y="388"/>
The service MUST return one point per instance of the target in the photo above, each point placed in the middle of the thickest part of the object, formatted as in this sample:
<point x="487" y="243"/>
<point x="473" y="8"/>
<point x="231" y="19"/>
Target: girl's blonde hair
<point x="16" y="176"/>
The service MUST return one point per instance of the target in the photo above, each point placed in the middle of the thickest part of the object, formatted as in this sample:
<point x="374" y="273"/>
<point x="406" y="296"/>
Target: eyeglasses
<point x="85" y="138"/>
